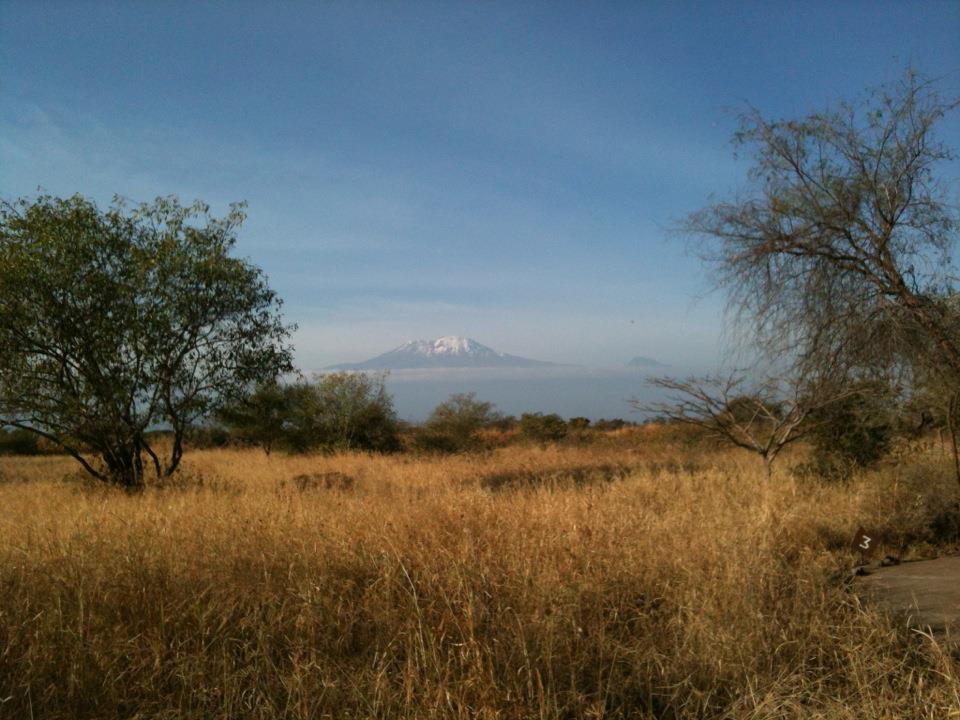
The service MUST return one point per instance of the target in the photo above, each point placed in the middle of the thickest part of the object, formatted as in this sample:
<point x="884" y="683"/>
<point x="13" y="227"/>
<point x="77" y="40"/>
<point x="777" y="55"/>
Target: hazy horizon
<point x="566" y="389"/>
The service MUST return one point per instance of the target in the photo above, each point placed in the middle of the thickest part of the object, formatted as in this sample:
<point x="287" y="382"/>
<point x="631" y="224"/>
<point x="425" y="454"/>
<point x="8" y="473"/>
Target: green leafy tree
<point x="338" y="411"/>
<point x="853" y="432"/>
<point x="454" y="424"/>
<point x="542" y="428"/>
<point x="350" y="411"/>
<point x="613" y="424"/>
<point x="19" y="442"/>
<point x="119" y="320"/>
<point x="264" y="417"/>
<point x="504" y="423"/>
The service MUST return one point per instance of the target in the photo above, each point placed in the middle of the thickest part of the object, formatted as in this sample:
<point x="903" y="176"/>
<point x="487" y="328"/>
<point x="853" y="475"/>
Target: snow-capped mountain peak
<point x="446" y="351"/>
<point x="448" y="346"/>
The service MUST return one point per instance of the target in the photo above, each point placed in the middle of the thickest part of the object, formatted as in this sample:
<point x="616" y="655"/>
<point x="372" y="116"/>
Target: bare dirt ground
<point x="925" y="593"/>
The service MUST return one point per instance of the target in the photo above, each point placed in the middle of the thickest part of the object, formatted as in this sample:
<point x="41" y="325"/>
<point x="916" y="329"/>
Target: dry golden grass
<point x="580" y="583"/>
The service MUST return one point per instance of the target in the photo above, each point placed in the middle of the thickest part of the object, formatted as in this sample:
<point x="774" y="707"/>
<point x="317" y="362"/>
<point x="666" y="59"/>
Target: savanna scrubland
<point x="638" y="574"/>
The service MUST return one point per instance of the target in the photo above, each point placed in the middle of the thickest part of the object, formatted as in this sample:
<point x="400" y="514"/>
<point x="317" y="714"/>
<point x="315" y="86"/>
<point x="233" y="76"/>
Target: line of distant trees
<point x="352" y="411"/>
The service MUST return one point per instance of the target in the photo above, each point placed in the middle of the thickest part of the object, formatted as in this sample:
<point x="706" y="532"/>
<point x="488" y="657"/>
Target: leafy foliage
<point x="340" y="411"/>
<point x="454" y="424"/>
<point x="264" y="416"/>
<point x="351" y="411"/>
<point x="542" y="428"/>
<point x="604" y="424"/>
<point x="19" y="442"/>
<point x="118" y="320"/>
<point x="854" y="432"/>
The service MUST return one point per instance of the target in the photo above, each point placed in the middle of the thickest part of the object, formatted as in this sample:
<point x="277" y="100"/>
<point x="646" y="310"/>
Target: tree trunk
<point x="176" y="453"/>
<point x="952" y="427"/>
<point x="125" y="466"/>
<point x="768" y="465"/>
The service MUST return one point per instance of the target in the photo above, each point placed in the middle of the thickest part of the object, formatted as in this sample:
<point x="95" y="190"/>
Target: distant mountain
<point x="645" y="362"/>
<point x="449" y="351"/>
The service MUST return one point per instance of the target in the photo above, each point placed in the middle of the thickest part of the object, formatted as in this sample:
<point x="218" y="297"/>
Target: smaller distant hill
<point x="644" y="362"/>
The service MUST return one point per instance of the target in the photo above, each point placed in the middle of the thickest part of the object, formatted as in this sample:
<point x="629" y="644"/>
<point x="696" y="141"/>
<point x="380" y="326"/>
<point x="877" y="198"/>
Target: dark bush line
<point x="19" y="442"/>
<point x="577" y="476"/>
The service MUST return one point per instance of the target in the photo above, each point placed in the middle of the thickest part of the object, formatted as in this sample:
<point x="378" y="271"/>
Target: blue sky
<point x="505" y="171"/>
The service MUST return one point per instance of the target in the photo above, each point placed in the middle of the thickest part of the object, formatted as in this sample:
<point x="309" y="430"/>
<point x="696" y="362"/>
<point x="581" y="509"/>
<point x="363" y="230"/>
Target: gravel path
<point x="926" y="593"/>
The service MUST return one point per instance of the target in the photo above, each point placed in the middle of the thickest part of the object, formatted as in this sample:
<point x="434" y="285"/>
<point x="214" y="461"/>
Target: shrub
<point x="348" y="411"/>
<point x="339" y="411"/>
<point x="19" y="442"/>
<point x="614" y="424"/>
<point x="852" y="433"/>
<point x="542" y="428"/>
<point x="270" y="416"/>
<point x="208" y="435"/>
<point x="455" y="424"/>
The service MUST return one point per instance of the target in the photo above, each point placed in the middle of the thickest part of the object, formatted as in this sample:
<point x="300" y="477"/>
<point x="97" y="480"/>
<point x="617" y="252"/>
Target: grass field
<point x="626" y="579"/>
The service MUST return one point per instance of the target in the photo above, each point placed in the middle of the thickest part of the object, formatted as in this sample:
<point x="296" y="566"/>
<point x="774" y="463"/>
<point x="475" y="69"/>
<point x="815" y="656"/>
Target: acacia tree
<point x="843" y="239"/>
<point x="119" y="320"/>
<point x="764" y="417"/>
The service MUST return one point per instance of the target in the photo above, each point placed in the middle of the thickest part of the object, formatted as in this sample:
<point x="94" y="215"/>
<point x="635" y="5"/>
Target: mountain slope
<point x="447" y="351"/>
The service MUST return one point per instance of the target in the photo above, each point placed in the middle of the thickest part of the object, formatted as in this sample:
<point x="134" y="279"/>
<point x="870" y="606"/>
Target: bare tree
<point x="763" y="417"/>
<point x="844" y="236"/>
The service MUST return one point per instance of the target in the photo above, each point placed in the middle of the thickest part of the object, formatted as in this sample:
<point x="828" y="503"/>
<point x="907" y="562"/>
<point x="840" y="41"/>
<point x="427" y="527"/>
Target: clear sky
<point x="505" y="171"/>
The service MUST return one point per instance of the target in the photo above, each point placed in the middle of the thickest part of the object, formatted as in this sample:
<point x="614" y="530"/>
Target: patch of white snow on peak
<point x="454" y="345"/>
<point x="421" y="347"/>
